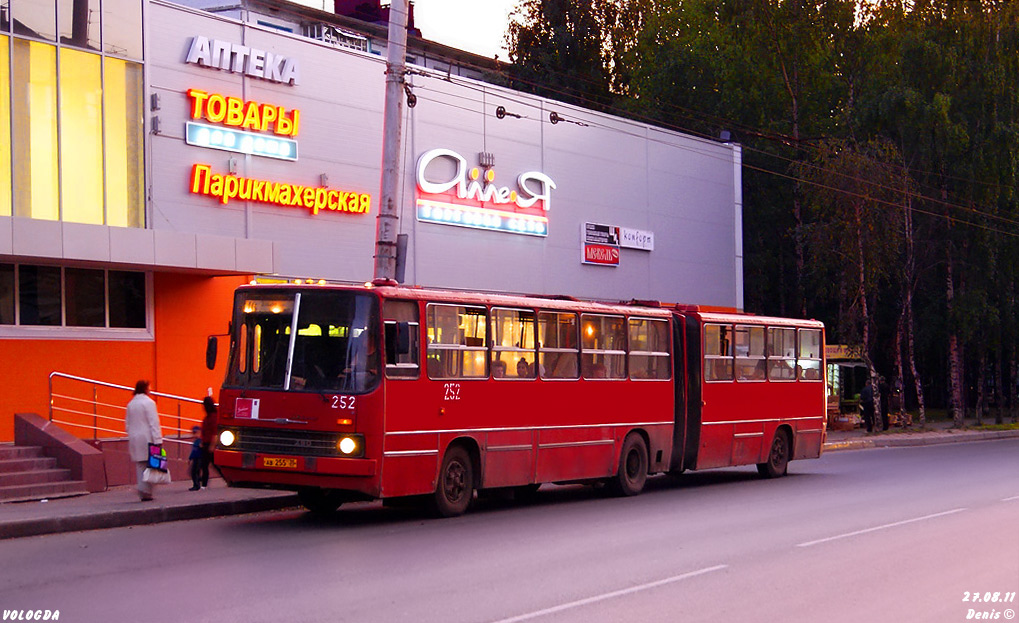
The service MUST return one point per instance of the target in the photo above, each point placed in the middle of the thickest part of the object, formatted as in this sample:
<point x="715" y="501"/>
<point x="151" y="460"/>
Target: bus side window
<point x="809" y="360"/>
<point x="750" y="353"/>
<point x="402" y="335"/>
<point x="513" y="343"/>
<point x="782" y="354"/>
<point x="603" y="346"/>
<point x="457" y="340"/>
<point x="559" y="346"/>
<point x="649" y="349"/>
<point x="718" y="352"/>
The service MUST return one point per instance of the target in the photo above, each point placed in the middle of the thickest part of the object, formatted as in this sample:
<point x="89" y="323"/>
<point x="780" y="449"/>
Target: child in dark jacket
<point x="195" y="458"/>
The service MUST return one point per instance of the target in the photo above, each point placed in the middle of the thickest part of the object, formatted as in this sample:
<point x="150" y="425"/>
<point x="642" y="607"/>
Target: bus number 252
<point x="344" y="402"/>
<point x="452" y="391"/>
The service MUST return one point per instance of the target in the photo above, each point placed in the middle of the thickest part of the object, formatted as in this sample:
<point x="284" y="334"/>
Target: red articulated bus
<point x="347" y="393"/>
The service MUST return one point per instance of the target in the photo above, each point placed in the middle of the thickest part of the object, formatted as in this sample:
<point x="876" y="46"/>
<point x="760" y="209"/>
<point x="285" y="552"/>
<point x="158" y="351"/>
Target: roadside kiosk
<point x="845" y="378"/>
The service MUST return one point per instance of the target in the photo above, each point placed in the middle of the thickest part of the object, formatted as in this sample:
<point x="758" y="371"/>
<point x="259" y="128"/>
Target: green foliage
<point x="853" y="115"/>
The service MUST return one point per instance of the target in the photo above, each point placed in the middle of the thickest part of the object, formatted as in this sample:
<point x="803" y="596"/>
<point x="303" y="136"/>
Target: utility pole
<point x="392" y="130"/>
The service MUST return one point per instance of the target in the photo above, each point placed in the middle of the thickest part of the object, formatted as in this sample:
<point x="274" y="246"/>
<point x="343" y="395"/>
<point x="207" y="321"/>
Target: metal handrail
<point x="179" y="431"/>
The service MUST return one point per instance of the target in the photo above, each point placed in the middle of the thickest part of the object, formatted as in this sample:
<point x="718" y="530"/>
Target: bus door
<point x="680" y="434"/>
<point x="694" y="391"/>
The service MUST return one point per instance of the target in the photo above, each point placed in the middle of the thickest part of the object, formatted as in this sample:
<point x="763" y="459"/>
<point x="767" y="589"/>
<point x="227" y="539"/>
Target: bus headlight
<point x="227" y="438"/>
<point x="350" y="445"/>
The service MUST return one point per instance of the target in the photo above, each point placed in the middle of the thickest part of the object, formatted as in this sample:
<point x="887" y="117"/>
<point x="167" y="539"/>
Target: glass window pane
<point x="6" y="293"/>
<point x="782" y="354"/>
<point x="402" y="335"/>
<point x="643" y="366"/>
<point x="717" y="340"/>
<point x="5" y="15"/>
<point x="559" y="345"/>
<point x="79" y="23"/>
<point x="604" y="332"/>
<point x="85" y="296"/>
<point x="35" y="130"/>
<point x="718" y="349"/>
<point x="124" y="125"/>
<point x="5" y="126"/>
<point x="35" y="18"/>
<point x="810" y="355"/>
<point x="457" y="341"/>
<point x="810" y="344"/>
<point x="122" y="28"/>
<point x="603" y="341"/>
<point x="513" y="328"/>
<point x="39" y="295"/>
<point x="649" y="349"/>
<point x="127" y="299"/>
<point x="81" y="145"/>
<point x="513" y="343"/>
<point x="242" y="350"/>
<point x="750" y="363"/>
<point x="558" y="330"/>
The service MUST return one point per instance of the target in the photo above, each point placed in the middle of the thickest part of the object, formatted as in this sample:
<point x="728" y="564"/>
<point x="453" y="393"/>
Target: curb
<point x="919" y="440"/>
<point x="141" y="516"/>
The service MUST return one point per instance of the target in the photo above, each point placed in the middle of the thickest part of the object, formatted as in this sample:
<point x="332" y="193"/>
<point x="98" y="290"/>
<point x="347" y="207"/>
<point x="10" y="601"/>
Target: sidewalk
<point x="935" y="433"/>
<point x="119" y="506"/>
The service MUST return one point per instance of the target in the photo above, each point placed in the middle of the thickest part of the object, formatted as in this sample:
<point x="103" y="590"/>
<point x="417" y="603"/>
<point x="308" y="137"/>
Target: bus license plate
<point x="284" y="463"/>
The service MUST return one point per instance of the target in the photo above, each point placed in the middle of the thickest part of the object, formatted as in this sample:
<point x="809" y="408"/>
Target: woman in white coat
<point x="142" y="424"/>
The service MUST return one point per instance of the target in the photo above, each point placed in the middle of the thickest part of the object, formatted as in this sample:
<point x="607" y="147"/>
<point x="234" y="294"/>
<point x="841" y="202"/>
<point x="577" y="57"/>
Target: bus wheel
<point x="632" y="472"/>
<point x="455" y="488"/>
<point x="778" y="458"/>
<point x="320" y="501"/>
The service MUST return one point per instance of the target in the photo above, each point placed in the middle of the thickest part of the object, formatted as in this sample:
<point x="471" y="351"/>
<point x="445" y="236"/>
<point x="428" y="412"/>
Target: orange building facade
<point x="186" y="309"/>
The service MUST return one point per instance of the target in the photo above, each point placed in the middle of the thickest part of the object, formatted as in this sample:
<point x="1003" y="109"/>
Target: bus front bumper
<point x="252" y="463"/>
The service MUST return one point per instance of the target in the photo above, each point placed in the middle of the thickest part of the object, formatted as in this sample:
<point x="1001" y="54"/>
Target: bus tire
<point x="320" y="501"/>
<point x="778" y="458"/>
<point x="455" y="486"/>
<point x="633" y="462"/>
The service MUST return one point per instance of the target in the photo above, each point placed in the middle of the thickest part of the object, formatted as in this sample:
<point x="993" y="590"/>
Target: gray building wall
<point x="607" y="170"/>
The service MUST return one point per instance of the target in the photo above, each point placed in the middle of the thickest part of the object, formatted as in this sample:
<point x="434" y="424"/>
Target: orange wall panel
<point x="187" y="309"/>
<point x="24" y="387"/>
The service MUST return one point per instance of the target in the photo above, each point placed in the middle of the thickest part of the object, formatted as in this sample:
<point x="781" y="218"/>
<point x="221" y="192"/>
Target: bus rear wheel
<point x="778" y="459"/>
<point x="455" y="487"/>
<point x="632" y="473"/>
<point x="320" y="501"/>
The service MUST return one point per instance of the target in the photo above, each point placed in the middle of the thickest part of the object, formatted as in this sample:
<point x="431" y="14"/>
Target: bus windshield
<point x="305" y="341"/>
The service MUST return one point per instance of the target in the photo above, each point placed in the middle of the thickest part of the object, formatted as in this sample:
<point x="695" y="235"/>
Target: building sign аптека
<point x="241" y="59"/>
<point x="465" y="198"/>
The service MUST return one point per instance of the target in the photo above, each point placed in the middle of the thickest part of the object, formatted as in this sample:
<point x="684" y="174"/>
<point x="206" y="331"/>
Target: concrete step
<point x="25" y="493"/>
<point x="26" y="464"/>
<point x="38" y="476"/>
<point x="10" y="452"/>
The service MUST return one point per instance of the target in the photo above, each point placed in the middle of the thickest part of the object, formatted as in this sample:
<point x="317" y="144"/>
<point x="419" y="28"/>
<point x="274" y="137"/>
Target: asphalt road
<point x="904" y="534"/>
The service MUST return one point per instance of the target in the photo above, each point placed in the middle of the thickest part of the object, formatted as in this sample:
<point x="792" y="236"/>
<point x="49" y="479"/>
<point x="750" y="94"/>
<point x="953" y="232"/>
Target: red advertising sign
<point x="246" y="408"/>
<point x="603" y="254"/>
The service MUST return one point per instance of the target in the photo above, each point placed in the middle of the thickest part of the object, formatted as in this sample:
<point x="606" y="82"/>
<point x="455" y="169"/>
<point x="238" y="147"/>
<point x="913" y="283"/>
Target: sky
<point x="477" y="26"/>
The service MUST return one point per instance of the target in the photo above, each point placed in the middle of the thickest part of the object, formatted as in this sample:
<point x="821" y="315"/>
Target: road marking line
<point x="1011" y="499"/>
<point x="604" y="596"/>
<point x="876" y="528"/>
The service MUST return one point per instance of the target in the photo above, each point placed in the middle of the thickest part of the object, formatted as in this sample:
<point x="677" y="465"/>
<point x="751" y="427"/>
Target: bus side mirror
<point x="211" y="350"/>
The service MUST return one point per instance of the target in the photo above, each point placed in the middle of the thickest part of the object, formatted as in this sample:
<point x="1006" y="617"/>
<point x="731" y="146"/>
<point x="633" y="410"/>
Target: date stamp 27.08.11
<point x="989" y="605"/>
